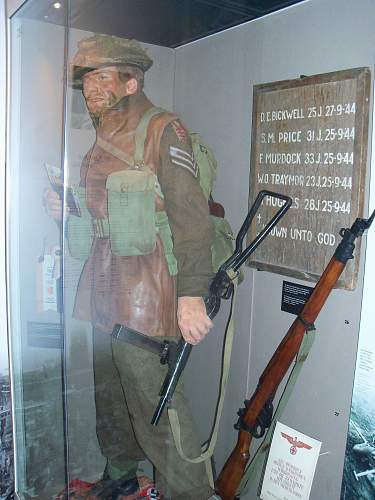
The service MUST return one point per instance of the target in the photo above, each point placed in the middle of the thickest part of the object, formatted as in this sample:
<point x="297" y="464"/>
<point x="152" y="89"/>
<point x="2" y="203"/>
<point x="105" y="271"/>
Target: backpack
<point x="223" y="244"/>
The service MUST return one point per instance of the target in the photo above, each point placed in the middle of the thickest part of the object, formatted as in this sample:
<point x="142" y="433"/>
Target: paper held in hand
<point x="290" y="466"/>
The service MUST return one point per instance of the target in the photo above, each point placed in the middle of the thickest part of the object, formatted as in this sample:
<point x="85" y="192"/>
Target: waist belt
<point x="100" y="227"/>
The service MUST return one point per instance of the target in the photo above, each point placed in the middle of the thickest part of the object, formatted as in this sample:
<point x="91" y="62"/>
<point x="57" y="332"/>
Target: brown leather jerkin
<point x="136" y="291"/>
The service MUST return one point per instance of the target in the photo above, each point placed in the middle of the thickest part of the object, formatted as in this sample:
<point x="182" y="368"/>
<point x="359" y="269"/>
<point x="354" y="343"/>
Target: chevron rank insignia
<point x="183" y="159"/>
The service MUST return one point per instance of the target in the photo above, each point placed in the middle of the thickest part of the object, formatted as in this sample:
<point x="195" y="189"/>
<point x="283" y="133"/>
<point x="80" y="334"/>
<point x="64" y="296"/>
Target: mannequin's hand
<point x="53" y="204"/>
<point x="192" y="319"/>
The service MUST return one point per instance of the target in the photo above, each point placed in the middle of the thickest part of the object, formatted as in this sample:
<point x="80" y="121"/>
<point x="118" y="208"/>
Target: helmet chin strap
<point x="119" y="105"/>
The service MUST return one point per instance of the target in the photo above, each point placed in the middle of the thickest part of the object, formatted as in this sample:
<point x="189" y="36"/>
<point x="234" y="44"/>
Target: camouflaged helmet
<point x="99" y="51"/>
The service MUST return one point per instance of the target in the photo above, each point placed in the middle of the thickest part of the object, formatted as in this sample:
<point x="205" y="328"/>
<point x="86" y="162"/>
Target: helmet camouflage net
<point x="99" y="51"/>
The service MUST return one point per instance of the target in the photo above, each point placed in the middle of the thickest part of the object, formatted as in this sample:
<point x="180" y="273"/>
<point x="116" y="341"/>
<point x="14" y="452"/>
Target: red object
<point x="147" y="489"/>
<point x="75" y="487"/>
<point x="92" y="491"/>
<point x="180" y="131"/>
<point x="216" y="208"/>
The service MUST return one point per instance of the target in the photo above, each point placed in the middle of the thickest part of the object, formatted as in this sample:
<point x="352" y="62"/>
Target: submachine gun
<point x="257" y="414"/>
<point x="177" y="354"/>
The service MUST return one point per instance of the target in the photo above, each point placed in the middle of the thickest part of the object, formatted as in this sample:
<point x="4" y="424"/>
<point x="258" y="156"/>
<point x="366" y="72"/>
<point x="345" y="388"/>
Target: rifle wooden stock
<point x="234" y="468"/>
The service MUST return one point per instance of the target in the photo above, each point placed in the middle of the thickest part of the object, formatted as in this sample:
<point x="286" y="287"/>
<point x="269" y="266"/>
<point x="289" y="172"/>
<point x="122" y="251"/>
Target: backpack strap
<point x="114" y="151"/>
<point x="141" y="133"/>
<point x="140" y="138"/>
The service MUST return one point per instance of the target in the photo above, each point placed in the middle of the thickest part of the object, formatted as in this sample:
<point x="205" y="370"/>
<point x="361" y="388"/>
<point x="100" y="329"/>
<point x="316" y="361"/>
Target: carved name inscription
<point x="309" y="141"/>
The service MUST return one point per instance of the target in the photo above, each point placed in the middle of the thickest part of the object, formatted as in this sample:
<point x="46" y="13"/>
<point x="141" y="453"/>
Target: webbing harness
<point x="137" y="161"/>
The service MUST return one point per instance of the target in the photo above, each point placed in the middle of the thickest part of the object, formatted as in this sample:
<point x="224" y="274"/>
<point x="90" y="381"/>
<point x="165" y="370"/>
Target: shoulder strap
<point x="141" y="133"/>
<point x="140" y="138"/>
<point x="114" y="151"/>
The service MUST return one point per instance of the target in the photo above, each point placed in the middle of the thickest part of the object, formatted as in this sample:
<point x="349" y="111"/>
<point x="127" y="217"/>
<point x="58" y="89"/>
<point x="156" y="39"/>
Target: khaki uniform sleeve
<point x="187" y="209"/>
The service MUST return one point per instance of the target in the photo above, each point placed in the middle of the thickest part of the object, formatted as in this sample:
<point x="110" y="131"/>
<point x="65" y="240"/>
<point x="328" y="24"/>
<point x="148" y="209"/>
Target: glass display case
<point x="121" y="114"/>
<point x="34" y="246"/>
<point x="87" y="107"/>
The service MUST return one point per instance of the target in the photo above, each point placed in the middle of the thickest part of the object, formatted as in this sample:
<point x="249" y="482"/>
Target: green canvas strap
<point x="257" y="462"/>
<point x="140" y="138"/>
<point x="164" y="231"/>
<point x="208" y="450"/>
<point x="141" y="134"/>
<point x="115" y="151"/>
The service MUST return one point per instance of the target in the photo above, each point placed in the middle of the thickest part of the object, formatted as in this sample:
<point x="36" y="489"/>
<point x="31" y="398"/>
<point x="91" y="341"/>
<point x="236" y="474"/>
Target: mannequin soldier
<point x="144" y="292"/>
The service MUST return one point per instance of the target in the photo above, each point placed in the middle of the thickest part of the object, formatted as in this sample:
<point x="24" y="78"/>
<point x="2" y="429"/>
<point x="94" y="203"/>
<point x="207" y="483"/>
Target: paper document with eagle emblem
<point x="290" y="466"/>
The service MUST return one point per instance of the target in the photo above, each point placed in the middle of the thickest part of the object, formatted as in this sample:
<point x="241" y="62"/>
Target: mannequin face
<point x="103" y="89"/>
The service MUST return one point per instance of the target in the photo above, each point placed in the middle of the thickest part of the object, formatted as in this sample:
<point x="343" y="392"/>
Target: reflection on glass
<point x="34" y="249"/>
<point x="109" y="224"/>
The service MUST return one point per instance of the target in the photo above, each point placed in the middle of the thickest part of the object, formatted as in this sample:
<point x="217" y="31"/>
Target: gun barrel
<point x="173" y="378"/>
<point x="159" y="409"/>
<point x="184" y="350"/>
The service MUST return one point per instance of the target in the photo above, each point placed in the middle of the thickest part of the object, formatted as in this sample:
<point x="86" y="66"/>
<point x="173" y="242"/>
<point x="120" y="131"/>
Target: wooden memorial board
<point x="309" y="141"/>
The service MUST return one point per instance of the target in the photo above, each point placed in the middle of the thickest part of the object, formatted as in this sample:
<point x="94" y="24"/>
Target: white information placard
<point x="290" y="466"/>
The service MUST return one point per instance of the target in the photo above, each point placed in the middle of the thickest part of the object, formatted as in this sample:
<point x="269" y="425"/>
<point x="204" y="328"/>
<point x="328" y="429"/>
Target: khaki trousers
<point x="127" y="384"/>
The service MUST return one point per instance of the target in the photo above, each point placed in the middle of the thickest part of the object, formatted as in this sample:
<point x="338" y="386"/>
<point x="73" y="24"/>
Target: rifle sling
<point x="256" y="464"/>
<point x="308" y="326"/>
<point x="208" y="449"/>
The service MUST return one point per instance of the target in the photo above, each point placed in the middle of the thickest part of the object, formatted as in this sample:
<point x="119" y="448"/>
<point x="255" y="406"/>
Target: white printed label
<point x="290" y="466"/>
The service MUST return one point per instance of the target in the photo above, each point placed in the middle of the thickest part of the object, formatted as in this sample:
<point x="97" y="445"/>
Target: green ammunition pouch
<point x="80" y="230"/>
<point x="131" y="212"/>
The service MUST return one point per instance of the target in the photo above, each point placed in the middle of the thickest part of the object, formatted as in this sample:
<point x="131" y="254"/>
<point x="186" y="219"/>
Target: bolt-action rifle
<point x="176" y="355"/>
<point x="257" y="414"/>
